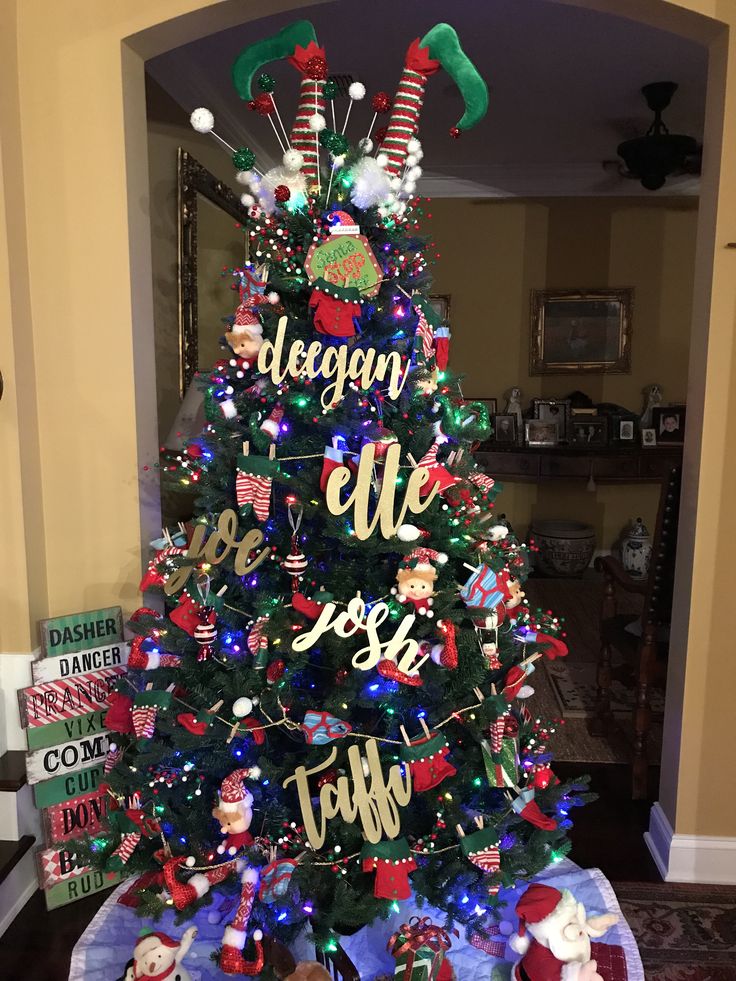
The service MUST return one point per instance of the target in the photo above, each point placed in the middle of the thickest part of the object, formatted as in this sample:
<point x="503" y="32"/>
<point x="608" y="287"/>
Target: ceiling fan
<point x="659" y="154"/>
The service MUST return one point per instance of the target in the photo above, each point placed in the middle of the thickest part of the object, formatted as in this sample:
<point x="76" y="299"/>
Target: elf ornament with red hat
<point x="235" y="811"/>
<point x="554" y="936"/>
<point x="416" y="578"/>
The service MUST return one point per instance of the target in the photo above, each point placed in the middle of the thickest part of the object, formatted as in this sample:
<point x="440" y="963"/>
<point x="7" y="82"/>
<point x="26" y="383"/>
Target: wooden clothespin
<point x="411" y="459"/>
<point x="493" y="690"/>
<point x="423" y="724"/>
<point x="167" y="536"/>
<point x="479" y="694"/>
<point x="460" y="832"/>
<point x="479" y="821"/>
<point x="216" y="707"/>
<point x="233" y="732"/>
<point x="149" y="686"/>
<point x="221" y="592"/>
<point x="405" y="735"/>
<point x="246" y="448"/>
<point x="272" y="451"/>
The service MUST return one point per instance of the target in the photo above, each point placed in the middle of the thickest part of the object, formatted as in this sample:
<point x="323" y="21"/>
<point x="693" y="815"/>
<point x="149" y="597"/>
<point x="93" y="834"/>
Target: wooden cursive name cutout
<point x="360" y="495"/>
<point x="375" y="804"/>
<point x="354" y="618"/>
<point x="361" y="365"/>
<point x="216" y="549"/>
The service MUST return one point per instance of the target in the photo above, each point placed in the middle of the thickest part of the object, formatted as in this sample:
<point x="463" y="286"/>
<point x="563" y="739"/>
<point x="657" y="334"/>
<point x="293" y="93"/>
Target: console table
<point x="607" y="465"/>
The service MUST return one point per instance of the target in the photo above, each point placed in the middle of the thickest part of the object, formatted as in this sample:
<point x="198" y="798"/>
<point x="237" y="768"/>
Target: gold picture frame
<point x="581" y="331"/>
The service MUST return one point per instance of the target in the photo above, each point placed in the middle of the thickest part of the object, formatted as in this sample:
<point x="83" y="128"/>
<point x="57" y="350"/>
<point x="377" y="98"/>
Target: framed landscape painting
<point x="578" y="331"/>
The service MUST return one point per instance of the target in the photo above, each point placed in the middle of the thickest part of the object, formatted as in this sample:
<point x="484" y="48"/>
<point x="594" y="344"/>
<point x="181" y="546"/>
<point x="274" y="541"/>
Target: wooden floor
<point x="607" y="834"/>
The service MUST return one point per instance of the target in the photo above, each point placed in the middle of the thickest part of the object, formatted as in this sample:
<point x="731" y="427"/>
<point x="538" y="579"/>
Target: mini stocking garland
<point x="392" y="862"/>
<point x="333" y="458"/>
<point x="427" y="759"/>
<point x="526" y="807"/>
<point x="119" y="717"/>
<point x="140" y="660"/>
<point x="184" y="893"/>
<point x="253" y="482"/>
<point x="235" y="935"/>
<point x="257" y="643"/>
<point x="187" y="614"/>
<point x="448" y="656"/>
<point x="481" y="847"/>
<point x="146" y="706"/>
<point x="439" y="475"/>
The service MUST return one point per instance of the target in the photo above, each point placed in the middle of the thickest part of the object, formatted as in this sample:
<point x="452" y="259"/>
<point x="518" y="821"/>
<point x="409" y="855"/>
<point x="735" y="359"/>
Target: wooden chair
<point x="645" y="654"/>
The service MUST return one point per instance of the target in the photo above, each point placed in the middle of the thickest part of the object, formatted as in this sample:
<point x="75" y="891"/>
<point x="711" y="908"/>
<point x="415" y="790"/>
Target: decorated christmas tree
<point x="328" y="721"/>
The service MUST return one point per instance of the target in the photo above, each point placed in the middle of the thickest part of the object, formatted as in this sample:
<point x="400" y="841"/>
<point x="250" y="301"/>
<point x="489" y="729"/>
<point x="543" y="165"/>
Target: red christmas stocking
<point x="481" y="848"/>
<point x="119" y="716"/>
<point x="392" y="862"/>
<point x="145" y="710"/>
<point x="438" y="474"/>
<point x="526" y="807"/>
<point x="332" y="460"/>
<point x="442" y="347"/>
<point x="148" y="660"/>
<point x="427" y="759"/>
<point x="184" y="893"/>
<point x="187" y="614"/>
<point x="235" y="935"/>
<point x="448" y="657"/>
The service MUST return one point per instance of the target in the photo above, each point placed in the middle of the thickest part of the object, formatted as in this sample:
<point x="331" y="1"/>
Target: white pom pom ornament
<point x="408" y="533"/>
<point x="365" y="145"/>
<point x="293" y="160"/>
<point x="356" y="91"/>
<point x="317" y="123"/>
<point x="413" y="145"/>
<point x="382" y="159"/>
<point x="202" y="120"/>
<point x="273" y="298"/>
<point x="247" y="200"/>
<point x="242" y="706"/>
<point x="244" y="176"/>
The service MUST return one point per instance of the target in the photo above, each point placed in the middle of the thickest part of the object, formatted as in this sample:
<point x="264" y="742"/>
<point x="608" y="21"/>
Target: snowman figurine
<point x="158" y="957"/>
<point x="554" y="936"/>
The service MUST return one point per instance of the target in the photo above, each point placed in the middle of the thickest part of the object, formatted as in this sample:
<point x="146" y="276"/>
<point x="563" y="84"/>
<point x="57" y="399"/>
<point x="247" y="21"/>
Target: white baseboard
<point x="15" y="673"/>
<point x="689" y="858"/>
<point x="17" y="889"/>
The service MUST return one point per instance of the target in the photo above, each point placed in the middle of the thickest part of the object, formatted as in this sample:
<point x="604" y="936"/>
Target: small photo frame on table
<point x="440" y="303"/>
<point x="504" y="429"/>
<point x="648" y="437"/>
<point x="626" y="430"/>
<point x="554" y="410"/>
<point x="590" y="431"/>
<point x="668" y="422"/>
<point x="541" y="432"/>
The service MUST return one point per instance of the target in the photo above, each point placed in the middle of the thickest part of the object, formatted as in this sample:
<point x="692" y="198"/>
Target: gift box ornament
<point x="427" y="759"/>
<point x="419" y="948"/>
<point x="502" y="767"/>
<point x="392" y="862"/>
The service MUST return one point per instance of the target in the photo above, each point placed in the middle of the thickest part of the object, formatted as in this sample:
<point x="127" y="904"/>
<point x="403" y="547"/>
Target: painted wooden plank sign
<point x="67" y="697"/>
<point x="56" y="864"/>
<point x="67" y="787"/>
<point x="80" y="662"/>
<point x="83" y="815"/>
<point x="61" y="732"/>
<point x="55" y="760"/>
<point x="61" y="635"/>
<point x="76" y="887"/>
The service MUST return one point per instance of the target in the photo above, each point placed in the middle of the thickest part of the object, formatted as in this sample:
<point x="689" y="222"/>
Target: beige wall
<point x="78" y="230"/>
<point x="507" y="249"/>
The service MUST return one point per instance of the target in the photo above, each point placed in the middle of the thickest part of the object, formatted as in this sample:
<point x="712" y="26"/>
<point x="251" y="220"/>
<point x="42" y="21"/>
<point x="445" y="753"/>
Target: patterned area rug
<point x="684" y="932"/>
<point x="574" y="685"/>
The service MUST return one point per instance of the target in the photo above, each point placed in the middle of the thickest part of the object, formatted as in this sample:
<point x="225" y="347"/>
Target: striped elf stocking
<point x="440" y="476"/>
<point x="253" y="482"/>
<point x="235" y="935"/>
<point x="439" y="48"/>
<point x="311" y="62"/>
<point x="404" y="121"/>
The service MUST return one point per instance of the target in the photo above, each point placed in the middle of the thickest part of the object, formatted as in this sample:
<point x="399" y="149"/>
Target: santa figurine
<point x="235" y="811"/>
<point x="554" y="936"/>
<point x="416" y="578"/>
<point x="158" y="957"/>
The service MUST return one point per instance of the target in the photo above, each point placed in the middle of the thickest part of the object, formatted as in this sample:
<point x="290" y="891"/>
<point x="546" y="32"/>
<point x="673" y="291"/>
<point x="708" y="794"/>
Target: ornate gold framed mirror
<point x="209" y="241"/>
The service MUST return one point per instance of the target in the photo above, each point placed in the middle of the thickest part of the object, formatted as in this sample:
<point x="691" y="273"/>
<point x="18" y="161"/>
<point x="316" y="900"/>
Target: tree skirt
<point x="107" y="943"/>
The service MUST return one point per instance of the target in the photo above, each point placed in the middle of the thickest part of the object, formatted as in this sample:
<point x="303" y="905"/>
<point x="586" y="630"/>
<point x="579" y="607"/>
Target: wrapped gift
<point x="419" y="948"/>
